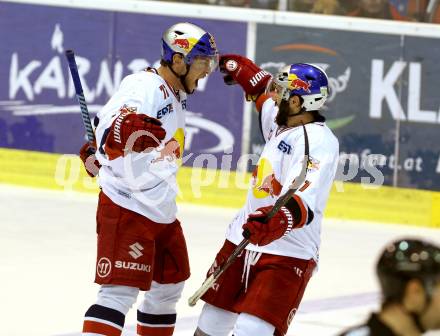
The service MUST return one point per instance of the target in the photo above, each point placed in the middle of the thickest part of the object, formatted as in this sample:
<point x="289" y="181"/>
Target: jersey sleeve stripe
<point x="299" y="211"/>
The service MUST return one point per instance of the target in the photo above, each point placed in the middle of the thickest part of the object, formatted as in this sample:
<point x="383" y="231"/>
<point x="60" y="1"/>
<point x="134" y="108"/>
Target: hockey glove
<point x="242" y="71"/>
<point x="143" y="132"/>
<point x="87" y="155"/>
<point x="293" y="215"/>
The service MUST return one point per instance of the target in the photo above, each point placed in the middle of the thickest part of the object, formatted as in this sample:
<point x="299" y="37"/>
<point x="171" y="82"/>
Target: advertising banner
<point x="38" y="109"/>
<point x="383" y="104"/>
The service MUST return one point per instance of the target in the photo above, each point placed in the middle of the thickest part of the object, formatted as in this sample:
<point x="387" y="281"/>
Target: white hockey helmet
<point x="191" y="41"/>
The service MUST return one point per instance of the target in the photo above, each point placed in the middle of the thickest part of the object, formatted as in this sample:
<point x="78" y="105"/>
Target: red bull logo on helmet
<point x="296" y="83"/>
<point x="185" y="43"/>
<point x="181" y="43"/>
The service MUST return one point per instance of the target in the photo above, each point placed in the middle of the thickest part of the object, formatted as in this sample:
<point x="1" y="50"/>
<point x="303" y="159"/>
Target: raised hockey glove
<point x="143" y="132"/>
<point x="293" y="215"/>
<point x="242" y="71"/>
<point x="87" y="155"/>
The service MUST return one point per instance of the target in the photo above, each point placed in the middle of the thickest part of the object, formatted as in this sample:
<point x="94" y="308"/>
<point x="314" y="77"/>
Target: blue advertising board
<point x="38" y="110"/>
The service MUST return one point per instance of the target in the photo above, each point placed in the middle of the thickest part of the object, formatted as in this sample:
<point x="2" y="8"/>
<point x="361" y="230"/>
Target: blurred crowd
<point x="404" y="10"/>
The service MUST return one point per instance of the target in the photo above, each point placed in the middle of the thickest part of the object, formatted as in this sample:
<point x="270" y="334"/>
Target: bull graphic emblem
<point x="270" y="185"/>
<point x="169" y="152"/>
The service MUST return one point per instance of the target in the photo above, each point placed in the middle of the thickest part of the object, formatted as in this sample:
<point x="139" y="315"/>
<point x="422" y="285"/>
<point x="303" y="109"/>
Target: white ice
<point x="48" y="248"/>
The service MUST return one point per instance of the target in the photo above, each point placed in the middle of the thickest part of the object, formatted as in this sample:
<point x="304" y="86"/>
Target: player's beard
<point x="283" y="113"/>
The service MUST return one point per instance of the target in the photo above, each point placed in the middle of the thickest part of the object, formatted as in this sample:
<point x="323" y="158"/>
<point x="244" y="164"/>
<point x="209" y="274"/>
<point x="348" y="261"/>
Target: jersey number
<point x="164" y="91"/>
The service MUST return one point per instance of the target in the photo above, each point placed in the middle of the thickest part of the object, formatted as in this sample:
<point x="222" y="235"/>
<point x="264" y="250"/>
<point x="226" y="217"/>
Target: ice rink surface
<point x="47" y="249"/>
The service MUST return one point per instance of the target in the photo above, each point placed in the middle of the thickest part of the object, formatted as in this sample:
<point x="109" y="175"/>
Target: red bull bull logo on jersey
<point x="264" y="181"/>
<point x="296" y="83"/>
<point x="271" y="186"/>
<point x="170" y="151"/>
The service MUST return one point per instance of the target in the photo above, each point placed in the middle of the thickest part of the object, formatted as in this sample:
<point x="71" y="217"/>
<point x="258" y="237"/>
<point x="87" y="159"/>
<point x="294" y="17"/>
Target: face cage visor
<point x="205" y="63"/>
<point x="274" y="87"/>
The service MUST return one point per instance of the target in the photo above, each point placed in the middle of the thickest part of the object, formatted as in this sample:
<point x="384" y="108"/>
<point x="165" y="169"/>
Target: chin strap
<point x="182" y="78"/>
<point x="418" y="323"/>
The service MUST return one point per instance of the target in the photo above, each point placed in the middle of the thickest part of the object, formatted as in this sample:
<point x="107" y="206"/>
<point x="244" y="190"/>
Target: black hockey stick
<point x="80" y="96"/>
<point x="297" y="182"/>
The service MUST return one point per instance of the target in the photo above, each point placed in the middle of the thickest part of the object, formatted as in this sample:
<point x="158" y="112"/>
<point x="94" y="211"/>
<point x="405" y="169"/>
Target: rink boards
<point x="384" y="104"/>
<point x="212" y="187"/>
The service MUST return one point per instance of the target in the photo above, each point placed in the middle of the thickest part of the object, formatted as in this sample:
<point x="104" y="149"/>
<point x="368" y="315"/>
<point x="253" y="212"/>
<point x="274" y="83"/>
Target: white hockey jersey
<point x="280" y="162"/>
<point x="144" y="182"/>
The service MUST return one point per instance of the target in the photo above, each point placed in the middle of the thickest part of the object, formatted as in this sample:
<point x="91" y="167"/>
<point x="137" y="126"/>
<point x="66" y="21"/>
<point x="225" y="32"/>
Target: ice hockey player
<point x="409" y="276"/>
<point x="260" y="292"/>
<point x="140" y="137"/>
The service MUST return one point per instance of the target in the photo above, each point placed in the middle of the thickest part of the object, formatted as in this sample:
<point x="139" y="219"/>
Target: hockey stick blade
<point x="281" y="201"/>
<point x="70" y="55"/>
